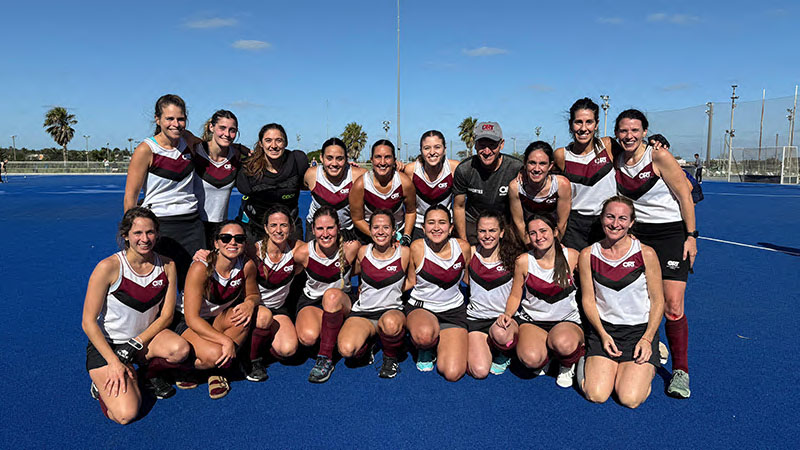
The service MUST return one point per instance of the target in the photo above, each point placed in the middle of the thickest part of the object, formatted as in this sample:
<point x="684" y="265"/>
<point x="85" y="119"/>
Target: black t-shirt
<point x="485" y="190"/>
<point x="264" y="190"/>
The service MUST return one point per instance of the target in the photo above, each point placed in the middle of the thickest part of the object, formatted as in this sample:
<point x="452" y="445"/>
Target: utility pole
<point x="794" y="113"/>
<point x="386" y="124"/>
<point x="605" y="107"/>
<point x="14" y="146"/>
<point x="731" y="132"/>
<point x="761" y="126"/>
<point x="108" y="151"/>
<point x="710" y="112"/>
<point x="399" y="141"/>
<point x="130" y="145"/>
<point x="86" y="136"/>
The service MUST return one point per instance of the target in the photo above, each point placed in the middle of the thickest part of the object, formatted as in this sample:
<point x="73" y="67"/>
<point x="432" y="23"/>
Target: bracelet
<point x="648" y="340"/>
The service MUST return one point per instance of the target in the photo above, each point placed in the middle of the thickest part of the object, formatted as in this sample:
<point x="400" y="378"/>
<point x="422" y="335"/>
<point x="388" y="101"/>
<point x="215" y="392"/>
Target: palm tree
<point x="466" y="132"/>
<point x="58" y="122"/>
<point x="355" y="138"/>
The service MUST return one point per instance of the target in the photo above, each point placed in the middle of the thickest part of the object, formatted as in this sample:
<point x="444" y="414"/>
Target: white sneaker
<point x="565" y="376"/>
<point x="543" y="370"/>
<point x="663" y="352"/>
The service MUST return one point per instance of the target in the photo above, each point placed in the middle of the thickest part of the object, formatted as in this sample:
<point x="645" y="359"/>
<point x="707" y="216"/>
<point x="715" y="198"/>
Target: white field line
<point x="750" y="246"/>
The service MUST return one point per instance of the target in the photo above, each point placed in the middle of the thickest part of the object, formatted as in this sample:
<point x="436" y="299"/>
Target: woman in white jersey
<point x="437" y="312"/>
<point x="432" y="175"/>
<point x="326" y="299"/>
<point x="379" y="308"/>
<point x="129" y="304"/>
<point x="330" y="184"/>
<point x="588" y="165"/>
<point x="490" y="283"/>
<point x="623" y="301"/>
<point x="218" y="304"/>
<point x="541" y="316"/>
<point x="163" y="164"/>
<point x="539" y="191"/>
<point x="383" y="187"/>
<point x="652" y="178"/>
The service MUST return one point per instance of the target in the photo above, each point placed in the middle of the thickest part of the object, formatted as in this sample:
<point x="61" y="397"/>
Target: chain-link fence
<point x="70" y="167"/>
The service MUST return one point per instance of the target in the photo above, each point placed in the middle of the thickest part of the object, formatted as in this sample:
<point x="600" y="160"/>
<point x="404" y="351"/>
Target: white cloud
<point x="610" y="20"/>
<point x="542" y="88"/>
<point x="214" y="22"/>
<point x="246" y="44"/>
<point x="485" y="51"/>
<point x="677" y="19"/>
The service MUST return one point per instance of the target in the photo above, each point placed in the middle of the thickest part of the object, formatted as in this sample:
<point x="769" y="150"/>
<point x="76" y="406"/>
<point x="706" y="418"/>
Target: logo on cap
<point x="487" y="126"/>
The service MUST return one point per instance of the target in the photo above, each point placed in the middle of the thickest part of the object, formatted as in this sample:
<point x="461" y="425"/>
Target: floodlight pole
<point x="730" y="132"/>
<point x="710" y="112"/>
<point x="14" y="146"/>
<point x="605" y="107"/>
<point x="386" y="124"/>
<point x="761" y="126"/>
<point x="86" y="136"/>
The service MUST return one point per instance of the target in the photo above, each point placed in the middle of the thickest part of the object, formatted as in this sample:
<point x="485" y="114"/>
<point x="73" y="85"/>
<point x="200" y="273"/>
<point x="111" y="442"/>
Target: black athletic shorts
<point x="303" y="301"/>
<point x="282" y="310"/>
<point x="481" y="325"/>
<point x="94" y="360"/>
<point x="418" y="233"/>
<point x="372" y="316"/>
<point x="179" y="322"/>
<point x="582" y="231"/>
<point x="625" y="337"/>
<point x="179" y="238"/>
<point x="452" y="318"/>
<point x="667" y="240"/>
<point x="546" y="325"/>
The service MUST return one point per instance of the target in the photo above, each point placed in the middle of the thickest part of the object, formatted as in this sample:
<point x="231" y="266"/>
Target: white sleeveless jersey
<point x="381" y="282"/>
<point x="393" y="201"/>
<point x="620" y="286"/>
<point x="336" y="196"/>
<point x="274" y="278"/>
<point x="489" y="286"/>
<point x="591" y="177"/>
<point x="214" y="183"/>
<point x="543" y="299"/>
<point x="429" y="193"/>
<point x="323" y="274"/>
<point x="437" y="287"/>
<point x="133" y="301"/>
<point x="539" y="205"/>
<point x="652" y="199"/>
<point x="169" y="188"/>
<point x="224" y="291"/>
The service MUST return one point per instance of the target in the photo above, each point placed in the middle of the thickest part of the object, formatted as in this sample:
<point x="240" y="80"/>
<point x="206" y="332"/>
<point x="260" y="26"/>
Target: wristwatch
<point x="693" y="234"/>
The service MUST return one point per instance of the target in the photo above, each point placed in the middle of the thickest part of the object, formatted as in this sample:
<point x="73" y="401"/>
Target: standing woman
<point x="216" y="164"/>
<point x="437" y="313"/>
<point x="129" y="304"/>
<point x="540" y="191"/>
<point x="378" y="310"/>
<point x="432" y="175"/>
<point x="652" y="178"/>
<point x="541" y="316"/>
<point x="163" y="164"/>
<point x="384" y="188"/>
<point x="326" y="297"/>
<point x="330" y="184"/>
<point x="490" y="285"/>
<point x="623" y="301"/>
<point x="270" y="175"/>
<point x="588" y="165"/>
<point x="219" y="301"/>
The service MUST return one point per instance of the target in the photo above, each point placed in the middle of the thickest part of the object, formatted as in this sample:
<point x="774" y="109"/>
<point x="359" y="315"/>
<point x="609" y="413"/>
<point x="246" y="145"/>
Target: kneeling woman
<point x="623" y="300"/>
<point x="325" y="301"/>
<point x="436" y="313"/>
<point x="129" y="304"/>
<point x="379" y="308"/>
<point x="541" y="315"/>
<point x="218" y="304"/>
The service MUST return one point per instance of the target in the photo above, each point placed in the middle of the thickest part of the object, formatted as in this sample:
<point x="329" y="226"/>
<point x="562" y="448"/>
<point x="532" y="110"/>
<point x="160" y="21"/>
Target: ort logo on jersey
<point x="394" y="196"/>
<point x="186" y="156"/>
<point x="601" y="160"/>
<point x="345" y="191"/>
<point x="628" y="264"/>
<point x="442" y="186"/>
<point x="503" y="190"/>
<point x="288" y="268"/>
<point x="337" y="264"/>
<point x="158" y="283"/>
<point x="457" y="265"/>
<point x="645" y="175"/>
<point x="391" y="269"/>
<point x="551" y="200"/>
<point x="235" y="283"/>
<point x="227" y="166"/>
<point x="499" y="268"/>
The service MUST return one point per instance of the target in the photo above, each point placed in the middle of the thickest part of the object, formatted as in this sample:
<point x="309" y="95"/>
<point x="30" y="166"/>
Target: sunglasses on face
<point x="225" y="238"/>
<point x="487" y="144"/>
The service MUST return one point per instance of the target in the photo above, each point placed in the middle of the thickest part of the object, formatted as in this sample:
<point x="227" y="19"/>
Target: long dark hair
<point x="633" y="114"/>
<point x="562" y="276"/>
<point x="166" y="100"/>
<point x="211" y="262"/>
<point x="256" y="163"/>
<point x="432" y="133"/>
<point x="277" y="208"/>
<point x="509" y="246"/>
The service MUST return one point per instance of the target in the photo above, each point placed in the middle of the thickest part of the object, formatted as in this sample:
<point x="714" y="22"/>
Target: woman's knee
<point x="125" y="412"/>
<point x="532" y="357"/>
<point x="307" y="336"/>
<point x="391" y="324"/>
<point x="207" y="356"/>
<point x="264" y="318"/>
<point x="564" y="344"/>
<point x="424" y="336"/>
<point x="478" y="369"/>
<point x="451" y="371"/>
<point x="630" y="399"/>
<point x="178" y="350"/>
<point x="595" y="393"/>
<point x="331" y="300"/>
<point x="348" y="347"/>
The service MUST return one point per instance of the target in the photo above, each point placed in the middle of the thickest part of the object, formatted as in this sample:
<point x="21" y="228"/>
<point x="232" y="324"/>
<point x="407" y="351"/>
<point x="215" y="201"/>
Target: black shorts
<point x="179" y="322"/>
<point x="209" y="228"/>
<point x="179" y="238"/>
<point x="481" y="325"/>
<point x="418" y="233"/>
<point x="94" y="360"/>
<point x="582" y="231"/>
<point x="282" y="310"/>
<point x="372" y="316"/>
<point x="625" y="337"/>
<point x="667" y="241"/>
<point x="452" y="318"/>
<point x="546" y="325"/>
<point x="303" y="301"/>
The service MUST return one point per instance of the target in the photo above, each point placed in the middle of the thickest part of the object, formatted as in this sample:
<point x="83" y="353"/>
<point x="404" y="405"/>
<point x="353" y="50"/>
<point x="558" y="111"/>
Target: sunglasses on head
<point x="225" y="238"/>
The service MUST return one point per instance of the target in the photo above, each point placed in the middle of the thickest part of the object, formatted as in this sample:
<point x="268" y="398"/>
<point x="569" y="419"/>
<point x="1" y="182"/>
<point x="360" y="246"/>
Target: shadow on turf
<point x="788" y="250"/>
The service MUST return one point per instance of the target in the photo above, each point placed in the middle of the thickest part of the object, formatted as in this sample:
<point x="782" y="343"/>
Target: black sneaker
<point x="160" y="388"/>
<point x="322" y="370"/>
<point x="257" y="371"/>
<point x="389" y="368"/>
<point x="94" y="391"/>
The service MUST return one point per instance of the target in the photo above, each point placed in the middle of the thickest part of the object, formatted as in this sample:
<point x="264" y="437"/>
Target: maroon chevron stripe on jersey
<point x="216" y="176"/>
<point x="172" y="169"/>
<point x="548" y="292"/>
<point x="638" y="185"/>
<point x="323" y="273"/>
<point x="433" y="194"/>
<point x="221" y="295"/>
<point x="325" y="196"/>
<point x="141" y="298"/>
<point x="393" y="202"/>
<point x="547" y="204"/>
<point x="488" y="278"/>
<point x="588" y="174"/>
<point x="272" y="279"/>
<point x="381" y="278"/>
<point x="620" y="276"/>
<point x="444" y="278"/>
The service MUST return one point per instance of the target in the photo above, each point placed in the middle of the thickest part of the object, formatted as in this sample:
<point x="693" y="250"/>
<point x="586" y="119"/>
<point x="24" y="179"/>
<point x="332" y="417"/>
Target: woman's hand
<point x="117" y="375"/>
<point x="643" y="351"/>
<point x="242" y="313"/>
<point x="503" y="321"/>
<point x="690" y="250"/>
<point x="610" y="346"/>
<point x="228" y="353"/>
<point x="201" y="255"/>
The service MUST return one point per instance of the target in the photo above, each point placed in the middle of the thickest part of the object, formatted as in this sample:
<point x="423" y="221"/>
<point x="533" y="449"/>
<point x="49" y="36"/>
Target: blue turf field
<point x="741" y="304"/>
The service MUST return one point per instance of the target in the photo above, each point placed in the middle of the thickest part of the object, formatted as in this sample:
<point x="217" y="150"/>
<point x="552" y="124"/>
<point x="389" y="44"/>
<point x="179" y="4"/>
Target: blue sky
<point x="520" y="63"/>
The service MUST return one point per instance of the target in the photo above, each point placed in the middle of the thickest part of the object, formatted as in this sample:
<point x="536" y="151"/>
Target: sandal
<point x="218" y="386"/>
<point x="186" y="381"/>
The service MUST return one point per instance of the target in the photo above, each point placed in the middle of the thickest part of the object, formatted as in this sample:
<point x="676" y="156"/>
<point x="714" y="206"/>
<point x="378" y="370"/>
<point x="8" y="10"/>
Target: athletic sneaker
<point x="580" y="372"/>
<point x="160" y="388"/>
<point x="565" y="376"/>
<point x="663" y="352"/>
<point x="425" y="360"/>
<point x="544" y="369"/>
<point x="500" y="363"/>
<point x="257" y="371"/>
<point x="679" y="385"/>
<point x="389" y="368"/>
<point x="94" y="391"/>
<point x="322" y="370"/>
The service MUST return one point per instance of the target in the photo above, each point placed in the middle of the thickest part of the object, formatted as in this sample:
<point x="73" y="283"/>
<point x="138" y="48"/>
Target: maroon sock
<point x="573" y="357"/>
<point x="261" y="337"/>
<point x="331" y="324"/>
<point x="158" y="365"/>
<point x="678" y="337"/>
<point x="435" y="343"/>
<point x="391" y="344"/>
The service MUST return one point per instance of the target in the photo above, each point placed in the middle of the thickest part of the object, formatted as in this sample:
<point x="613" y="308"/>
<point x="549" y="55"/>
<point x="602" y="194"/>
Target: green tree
<point x="355" y="138"/>
<point x="58" y="123"/>
<point x="466" y="132"/>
